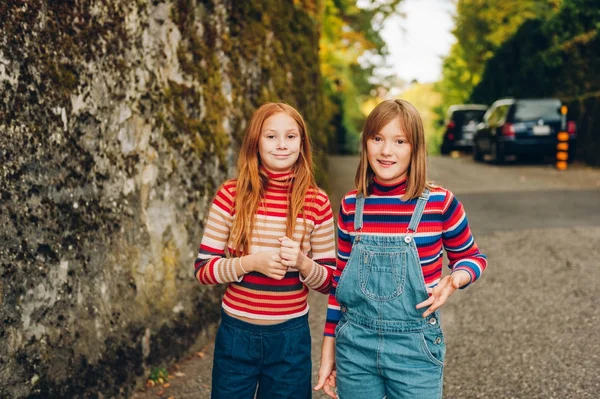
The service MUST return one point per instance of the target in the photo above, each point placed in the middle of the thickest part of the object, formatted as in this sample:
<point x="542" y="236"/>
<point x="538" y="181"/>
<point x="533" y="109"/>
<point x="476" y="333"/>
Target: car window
<point x="493" y="116"/>
<point x="537" y="109"/>
<point x="488" y="114"/>
<point x="464" y="117"/>
<point x="502" y="112"/>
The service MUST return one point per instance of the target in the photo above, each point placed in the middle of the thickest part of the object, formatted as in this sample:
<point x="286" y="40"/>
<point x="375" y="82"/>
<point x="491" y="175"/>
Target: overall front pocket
<point x="341" y="327"/>
<point x="382" y="274"/>
<point x="432" y="343"/>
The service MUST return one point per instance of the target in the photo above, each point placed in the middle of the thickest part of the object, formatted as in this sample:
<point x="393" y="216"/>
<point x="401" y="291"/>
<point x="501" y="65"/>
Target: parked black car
<point x="461" y="123"/>
<point x="521" y="127"/>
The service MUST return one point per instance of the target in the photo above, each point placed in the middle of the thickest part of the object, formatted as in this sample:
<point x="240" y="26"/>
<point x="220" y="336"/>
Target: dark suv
<point x="461" y="123"/>
<point x="522" y="127"/>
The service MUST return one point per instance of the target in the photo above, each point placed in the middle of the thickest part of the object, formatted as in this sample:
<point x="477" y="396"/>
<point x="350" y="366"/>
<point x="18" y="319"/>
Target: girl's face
<point x="279" y="143"/>
<point x="389" y="153"/>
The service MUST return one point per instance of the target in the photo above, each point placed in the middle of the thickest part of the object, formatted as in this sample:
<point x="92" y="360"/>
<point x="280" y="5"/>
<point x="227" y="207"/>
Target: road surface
<point x="529" y="327"/>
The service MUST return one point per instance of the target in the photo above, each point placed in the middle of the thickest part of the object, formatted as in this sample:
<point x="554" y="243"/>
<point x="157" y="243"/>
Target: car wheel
<point x="497" y="154"/>
<point x="477" y="154"/>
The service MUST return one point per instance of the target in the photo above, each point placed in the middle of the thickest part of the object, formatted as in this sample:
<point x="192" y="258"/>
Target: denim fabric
<point x="384" y="347"/>
<point x="271" y="361"/>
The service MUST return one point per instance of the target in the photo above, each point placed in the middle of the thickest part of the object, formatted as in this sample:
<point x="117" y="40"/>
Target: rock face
<point x="118" y="121"/>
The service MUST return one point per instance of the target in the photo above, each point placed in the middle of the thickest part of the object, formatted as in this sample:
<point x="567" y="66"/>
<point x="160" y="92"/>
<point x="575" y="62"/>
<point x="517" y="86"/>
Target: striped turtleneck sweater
<point x="255" y="295"/>
<point x="443" y="225"/>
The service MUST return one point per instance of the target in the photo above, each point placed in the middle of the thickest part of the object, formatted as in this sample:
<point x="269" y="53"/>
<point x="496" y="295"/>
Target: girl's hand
<point x="327" y="373"/>
<point x="445" y="288"/>
<point x="292" y="256"/>
<point x="327" y="382"/>
<point x="267" y="263"/>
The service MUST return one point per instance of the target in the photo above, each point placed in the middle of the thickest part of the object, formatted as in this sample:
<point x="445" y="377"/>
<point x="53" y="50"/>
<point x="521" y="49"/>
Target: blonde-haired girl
<point x="269" y="236"/>
<point x="391" y="230"/>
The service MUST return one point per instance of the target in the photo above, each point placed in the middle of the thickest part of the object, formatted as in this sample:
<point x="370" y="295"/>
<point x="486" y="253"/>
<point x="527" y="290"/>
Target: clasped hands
<point x="275" y="264"/>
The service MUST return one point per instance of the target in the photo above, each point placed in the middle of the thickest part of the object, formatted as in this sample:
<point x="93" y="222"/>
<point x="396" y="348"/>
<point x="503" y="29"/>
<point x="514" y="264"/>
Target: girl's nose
<point x="281" y="143"/>
<point x="386" y="149"/>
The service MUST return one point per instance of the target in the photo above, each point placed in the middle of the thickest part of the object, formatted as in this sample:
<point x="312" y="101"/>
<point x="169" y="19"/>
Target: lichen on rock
<point x="118" y="121"/>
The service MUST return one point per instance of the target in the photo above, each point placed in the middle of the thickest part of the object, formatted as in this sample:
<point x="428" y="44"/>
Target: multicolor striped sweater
<point x="444" y="224"/>
<point x="255" y="295"/>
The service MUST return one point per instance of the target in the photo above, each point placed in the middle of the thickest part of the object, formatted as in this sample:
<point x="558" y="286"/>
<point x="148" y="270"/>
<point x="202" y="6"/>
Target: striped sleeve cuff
<point x="225" y="271"/>
<point x="469" y="267"/>
<point x="316" y="277"/>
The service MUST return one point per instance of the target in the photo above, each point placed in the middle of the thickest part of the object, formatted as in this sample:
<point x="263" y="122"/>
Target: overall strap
<point x="419" y="208"/>
<point x="358" y="215"/>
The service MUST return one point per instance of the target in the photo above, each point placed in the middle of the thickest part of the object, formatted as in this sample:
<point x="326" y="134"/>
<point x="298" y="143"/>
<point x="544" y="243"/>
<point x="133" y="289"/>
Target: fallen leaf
<point x="201" y="355"/>
<point x="161" y="392"/>
<point x="166" y="385"/>
<point x="179" y="374"/>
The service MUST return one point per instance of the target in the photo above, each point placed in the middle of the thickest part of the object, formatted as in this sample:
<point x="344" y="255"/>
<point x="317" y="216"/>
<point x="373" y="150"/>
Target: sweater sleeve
<point x="322" y="243"/>
<point x="211" y="265"/>
<point x="460" y="246"/>
<point x="344" y="242"/>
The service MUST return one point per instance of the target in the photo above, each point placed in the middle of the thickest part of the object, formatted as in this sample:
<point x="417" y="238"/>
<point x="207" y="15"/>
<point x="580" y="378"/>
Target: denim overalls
<point x="384" y="347"/>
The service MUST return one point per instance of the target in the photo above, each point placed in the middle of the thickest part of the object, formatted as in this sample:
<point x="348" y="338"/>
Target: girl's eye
<point x="270" y="136"/>
<point x="400" y="141"/>
<point x="291" y="136"/>
<point x="376" y="138"/>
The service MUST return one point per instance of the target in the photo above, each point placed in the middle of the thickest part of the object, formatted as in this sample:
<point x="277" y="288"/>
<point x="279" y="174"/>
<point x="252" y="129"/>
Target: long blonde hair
<point x="252" y="180"/>
<point x="412" y="125"/>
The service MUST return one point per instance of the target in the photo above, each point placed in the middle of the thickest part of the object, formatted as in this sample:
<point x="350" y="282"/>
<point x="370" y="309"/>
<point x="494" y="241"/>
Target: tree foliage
<point x="350" y="39"/>
<point x="559" y="57"/>
<point x="482" y="26"/>
<point x="424" y="97"/>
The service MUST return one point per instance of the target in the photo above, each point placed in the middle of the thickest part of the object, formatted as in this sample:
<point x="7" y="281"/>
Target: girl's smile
<point x="386" y="164"/>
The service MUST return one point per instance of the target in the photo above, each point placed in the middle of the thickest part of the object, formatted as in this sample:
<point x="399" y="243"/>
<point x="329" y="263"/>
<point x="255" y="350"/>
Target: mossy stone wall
<point x="118" y="120"/>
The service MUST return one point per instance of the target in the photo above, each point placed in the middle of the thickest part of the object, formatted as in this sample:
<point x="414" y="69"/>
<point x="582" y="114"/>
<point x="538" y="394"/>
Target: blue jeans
<point x="274" y="358"/>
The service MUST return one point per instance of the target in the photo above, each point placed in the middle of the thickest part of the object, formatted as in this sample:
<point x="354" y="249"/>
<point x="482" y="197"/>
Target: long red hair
<point x="252" y="180"/>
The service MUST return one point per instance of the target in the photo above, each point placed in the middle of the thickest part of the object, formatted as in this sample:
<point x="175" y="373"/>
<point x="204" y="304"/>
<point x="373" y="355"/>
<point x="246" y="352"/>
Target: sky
<point x="418" y="41"/>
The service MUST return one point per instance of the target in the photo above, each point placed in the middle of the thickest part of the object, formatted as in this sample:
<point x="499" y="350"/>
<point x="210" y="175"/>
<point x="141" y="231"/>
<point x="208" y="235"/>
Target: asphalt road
<point x="529" y="327"/>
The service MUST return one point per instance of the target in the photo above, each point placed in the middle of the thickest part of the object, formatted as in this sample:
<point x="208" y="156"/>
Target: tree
<point x="350" y="41"/>
<point x="482" y="26"/>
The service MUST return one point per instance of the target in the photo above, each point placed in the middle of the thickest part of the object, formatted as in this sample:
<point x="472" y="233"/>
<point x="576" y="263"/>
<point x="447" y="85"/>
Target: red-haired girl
<point x="270" y="237"/>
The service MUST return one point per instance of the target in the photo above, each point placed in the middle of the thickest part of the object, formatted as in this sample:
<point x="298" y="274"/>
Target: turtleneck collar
<point x="278" y="179"/>
<point x="378" y="188"/>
